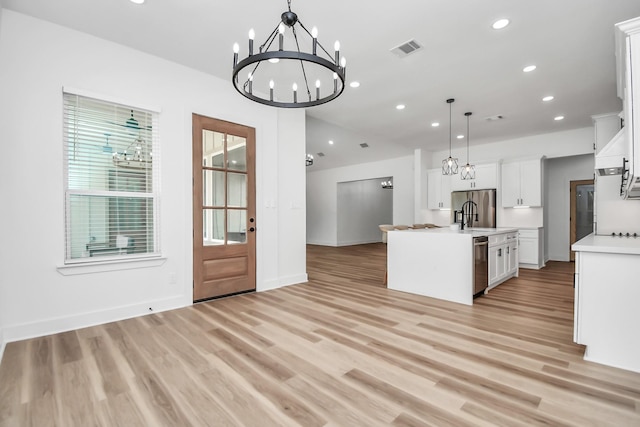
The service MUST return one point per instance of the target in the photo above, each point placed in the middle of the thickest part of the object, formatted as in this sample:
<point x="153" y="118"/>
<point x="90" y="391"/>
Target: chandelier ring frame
<point x="284" y="54"/>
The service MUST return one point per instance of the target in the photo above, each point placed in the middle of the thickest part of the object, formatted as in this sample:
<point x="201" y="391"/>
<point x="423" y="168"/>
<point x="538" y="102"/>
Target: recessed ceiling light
<point x="330" y="142"/>
<point x="547" y="98"/>
<point x="354" y="84"/>
<point x="558" y="118"/>
<point x="400" y="107"/>
<point x="460" y="136"/>
<point x="435" y="124"/>
<point x="500" y="24"/>
<point x="137" y="1"/>
<point x="529" y="68"/>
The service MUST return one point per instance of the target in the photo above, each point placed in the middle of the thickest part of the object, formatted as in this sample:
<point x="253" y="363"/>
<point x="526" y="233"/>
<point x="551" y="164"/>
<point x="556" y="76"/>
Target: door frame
<point x="573" y="212"/>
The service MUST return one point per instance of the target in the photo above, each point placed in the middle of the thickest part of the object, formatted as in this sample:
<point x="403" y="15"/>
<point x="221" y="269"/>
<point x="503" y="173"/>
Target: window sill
<point x="114" y="265"/>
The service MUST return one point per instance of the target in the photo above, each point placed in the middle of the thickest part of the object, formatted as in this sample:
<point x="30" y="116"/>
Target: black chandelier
<point x="327" y="70"/>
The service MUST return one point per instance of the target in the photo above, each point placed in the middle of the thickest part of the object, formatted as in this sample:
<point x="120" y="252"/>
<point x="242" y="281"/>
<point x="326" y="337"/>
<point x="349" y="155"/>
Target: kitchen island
<point x="439" y="263"/>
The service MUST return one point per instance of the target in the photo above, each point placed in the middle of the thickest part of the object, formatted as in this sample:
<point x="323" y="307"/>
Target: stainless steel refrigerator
<point x="475" y="208"/>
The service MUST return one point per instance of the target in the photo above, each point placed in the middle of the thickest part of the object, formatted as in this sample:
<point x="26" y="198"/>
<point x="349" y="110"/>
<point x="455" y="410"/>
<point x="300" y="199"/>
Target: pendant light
<point x="450" y="165"/>
<point x="468" y="171"/>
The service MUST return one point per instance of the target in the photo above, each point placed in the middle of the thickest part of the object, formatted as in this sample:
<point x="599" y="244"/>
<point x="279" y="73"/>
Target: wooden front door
<point x="224" y="208"/>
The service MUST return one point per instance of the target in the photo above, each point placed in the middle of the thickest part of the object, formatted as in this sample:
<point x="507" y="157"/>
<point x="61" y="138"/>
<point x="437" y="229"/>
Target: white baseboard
<point x="62" y="324"/>
<point x="283" y="281"/>
<point x="2" y="344"/>
<point x="321" y="243"/>
<point x="358" y="242"/>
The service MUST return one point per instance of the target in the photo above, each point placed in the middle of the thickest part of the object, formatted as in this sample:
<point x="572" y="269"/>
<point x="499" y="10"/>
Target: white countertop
<point x="608" y="244"/>
<point x="468" y="231"/>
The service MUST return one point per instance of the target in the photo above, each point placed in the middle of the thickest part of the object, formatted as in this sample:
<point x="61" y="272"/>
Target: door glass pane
<point x="236" y="226"/>
<point x="213" y="148"/>
<point x="584" y="210"/>
<point x="212" y="227"/>
<point x="237" y="153"/>
<point x="237" y="190"/>
<point x="213" y="188"/>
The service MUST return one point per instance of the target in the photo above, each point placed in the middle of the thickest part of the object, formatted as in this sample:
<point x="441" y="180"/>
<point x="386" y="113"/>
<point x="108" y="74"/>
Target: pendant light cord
<point x="450" y="106"/>
<point x="468" y="138"/>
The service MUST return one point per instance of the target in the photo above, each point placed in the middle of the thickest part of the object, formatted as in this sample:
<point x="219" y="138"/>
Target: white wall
<point x="39" y="59"/>
<point x="322" y="213"/>
<point x="560" y="172"/>
<point x="362" y="206"/>
<point x="614" y="214"/>
<point x="556" y="144"/>
<point x="2" y="341"/>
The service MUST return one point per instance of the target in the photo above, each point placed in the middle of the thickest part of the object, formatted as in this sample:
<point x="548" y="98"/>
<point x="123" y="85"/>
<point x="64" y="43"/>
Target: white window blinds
<point x="111" y="188"/>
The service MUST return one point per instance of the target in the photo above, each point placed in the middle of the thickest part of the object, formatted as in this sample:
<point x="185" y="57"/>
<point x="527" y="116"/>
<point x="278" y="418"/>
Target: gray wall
<point x="362" y="207"/>
<point x="559" y="173"/>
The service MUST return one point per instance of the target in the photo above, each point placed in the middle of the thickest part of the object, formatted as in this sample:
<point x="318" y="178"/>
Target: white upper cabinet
<point x="522" y="183"/>
<point x="486" y="177"/>
<point x="439" y="190"/>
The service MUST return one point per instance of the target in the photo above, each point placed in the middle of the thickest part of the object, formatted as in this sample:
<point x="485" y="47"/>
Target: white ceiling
<point x="570" y="41"/>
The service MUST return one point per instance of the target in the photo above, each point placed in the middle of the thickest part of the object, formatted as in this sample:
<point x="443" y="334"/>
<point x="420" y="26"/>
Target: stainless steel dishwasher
<point x="480" y="264"/>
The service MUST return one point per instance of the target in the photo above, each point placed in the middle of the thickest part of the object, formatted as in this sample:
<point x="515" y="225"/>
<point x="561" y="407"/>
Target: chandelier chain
<point x="289" y="4"/>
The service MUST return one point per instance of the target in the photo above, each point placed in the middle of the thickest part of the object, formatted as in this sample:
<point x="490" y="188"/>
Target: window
<point x="111" y="188"/>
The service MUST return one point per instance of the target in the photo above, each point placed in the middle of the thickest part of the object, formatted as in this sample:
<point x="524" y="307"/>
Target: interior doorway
<point x="581" y="194"/>
<point x="361" y="207"/>
<point x="224" y="208"/>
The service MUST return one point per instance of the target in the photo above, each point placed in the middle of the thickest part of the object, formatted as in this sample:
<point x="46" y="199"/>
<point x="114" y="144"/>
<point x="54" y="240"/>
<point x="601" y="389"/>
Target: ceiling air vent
<point x="320" y="154"/>
<point x="364" y="145"/>
<point x="494" y="118"/>
<point x="406" y="48"/>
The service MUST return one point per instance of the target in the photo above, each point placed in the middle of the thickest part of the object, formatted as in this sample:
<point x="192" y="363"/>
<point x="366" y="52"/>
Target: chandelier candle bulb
<point x="314" y="34"/>
<point x="280" y="36"/>
<point x="271" y="85"/>
<point x="250" y="83"/>
<point x="236" y="49"/>
<point x="336" y="47"/>
<point x="295" y="93"/>
<point x="317" y="89"/>
<point x="335" y="82"/>
<point x="252" y="35"/>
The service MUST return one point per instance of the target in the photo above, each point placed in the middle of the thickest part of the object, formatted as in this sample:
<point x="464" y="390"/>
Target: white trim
<point x="111" y="265"/>
<point x="84" y="320"/>
<point x="358" y="242"/>
<point x="112" y="99"/>
<point x="2" y="344"/>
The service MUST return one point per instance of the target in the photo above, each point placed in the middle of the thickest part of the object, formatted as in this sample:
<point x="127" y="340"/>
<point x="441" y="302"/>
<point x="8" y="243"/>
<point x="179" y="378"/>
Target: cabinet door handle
<point x="508" y="251"/>
<point x="500" y="252"/>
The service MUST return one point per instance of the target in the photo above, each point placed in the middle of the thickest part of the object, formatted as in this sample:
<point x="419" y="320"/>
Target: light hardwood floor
<point x="341" y="350"/>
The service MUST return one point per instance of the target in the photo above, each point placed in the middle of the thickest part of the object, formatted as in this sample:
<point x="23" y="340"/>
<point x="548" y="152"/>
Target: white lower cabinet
<point x="512" y="257"/>
<point x="503" y="257"/>
<point x="531" y="244"/>
<point x="606" y="315"/>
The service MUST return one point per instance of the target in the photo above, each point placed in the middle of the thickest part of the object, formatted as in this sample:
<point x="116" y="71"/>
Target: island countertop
<point x="474" y="232"/>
